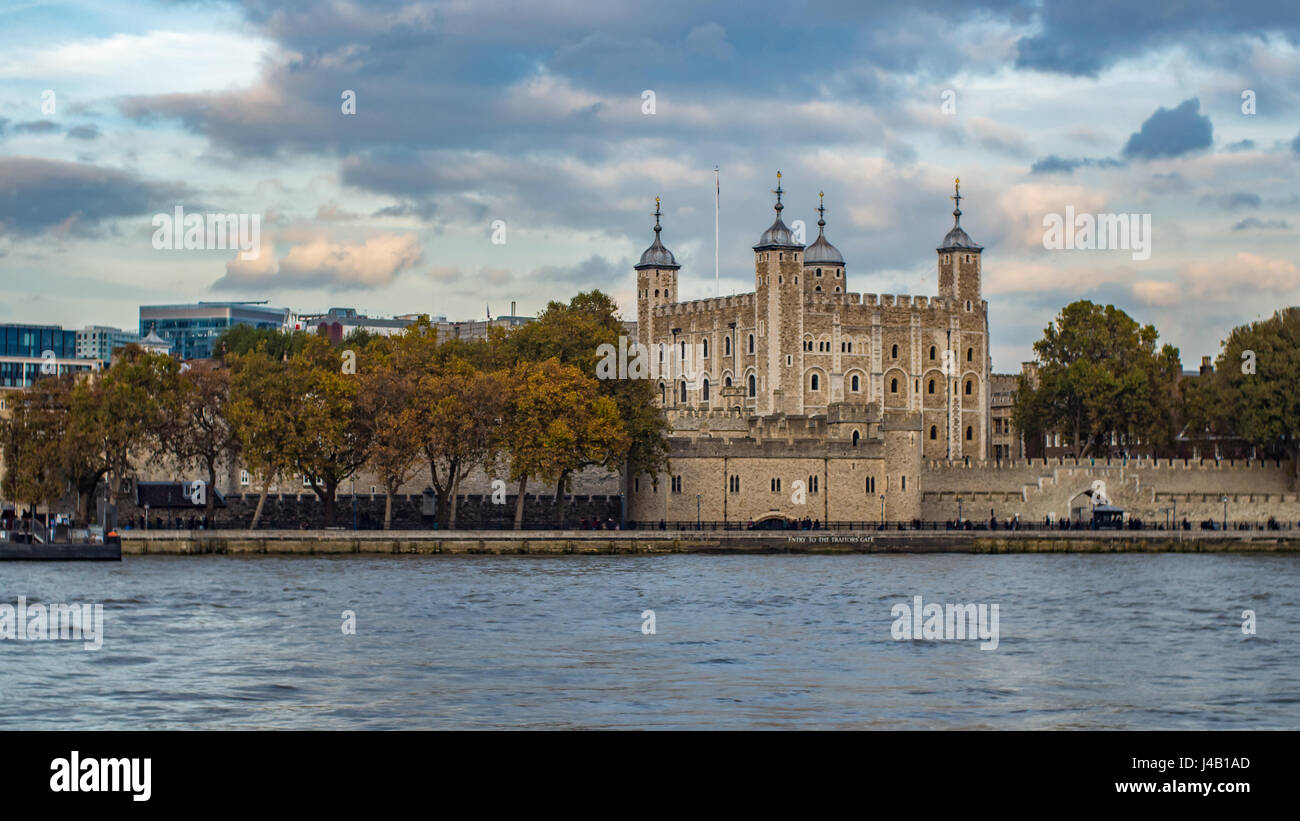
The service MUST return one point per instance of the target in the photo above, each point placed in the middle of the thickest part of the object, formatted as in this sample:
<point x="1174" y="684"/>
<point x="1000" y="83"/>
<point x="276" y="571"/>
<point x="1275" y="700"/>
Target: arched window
<point x="930" y="386"/>
<point x="661" y="353"/>
<point x="727" y="382"/>
<point x="855" y="438"/>
<point x="726" y="346"/>
<point x="704" y="390"/>
<point x="934" y="433"/>
<point x="704" y="349"/>
<point x="970" y="354"/>
<point x="663" y="394"/>
<point x="970" y="433"/>
<point x="854" y="383"/>
<point x="683" y="343"/>
<point x="753" y="386"/>
<point x="893" y="352"/>
<point x="751" y="343"/>
<point x="815" y="383"/>
<point x="683" y="391"/>
<point x="818" y="288"/>
<point x="933" y="351"/>
<point x="656" y="292"/>
<point x="819" y="272"/>
<point x="969" y="385"/>
<point x="837" y="289"/>
<point x="893" y="386"/>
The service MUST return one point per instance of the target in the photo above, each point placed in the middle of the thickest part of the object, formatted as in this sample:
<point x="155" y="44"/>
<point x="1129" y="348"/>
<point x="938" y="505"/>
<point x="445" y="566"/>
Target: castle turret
<point x="656" y="282"/>
<point x="823" y="263"/>
<point x="778" y="265"/>
<point x="959" y="261"/>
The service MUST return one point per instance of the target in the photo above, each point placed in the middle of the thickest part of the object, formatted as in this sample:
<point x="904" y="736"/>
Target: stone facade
<point x="852" y="386"/>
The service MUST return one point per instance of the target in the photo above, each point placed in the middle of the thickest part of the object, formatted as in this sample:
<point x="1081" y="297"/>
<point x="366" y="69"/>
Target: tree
<point x="242" y="339"/>
<point x="573" y="334"/>
<point x="387" y="405"/>
<point x="260" y="411"/>
<point x="1102" y="380"/>
<point x="459" y="411"/>
<point x="200" y="431"/>
<point x="1255" y="389"/>
<point x="32" y="440"/>
<point x="556" y="423"/>
<point x="329" y="441"/>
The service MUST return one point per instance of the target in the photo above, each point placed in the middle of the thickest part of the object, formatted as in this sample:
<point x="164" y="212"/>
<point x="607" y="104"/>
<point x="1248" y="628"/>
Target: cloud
<point x="995" y="136"/>
<point x="1238" y="275"/>
<point x="376" y="262"/>
<point x="1295" y="145"/>
<point x="42" y="195"/>
<point x="1235" y="200"/>
<point x="1256" y="222"/>
<point x="1241" y="145"/>
<point x="1053" y="164"/>
<point x="1171" y="133"/>
<point x="331" y="212"/>
<point x="36" y="127"/>
<point x="83" y="132"/>
<point x="1156" y="292"/>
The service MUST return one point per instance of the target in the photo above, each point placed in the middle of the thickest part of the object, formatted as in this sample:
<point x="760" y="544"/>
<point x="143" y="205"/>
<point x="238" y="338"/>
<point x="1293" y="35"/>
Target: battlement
<point x="1047" y="464"/>
<point x="773" y="448"/>
<point x="701" y="306"/>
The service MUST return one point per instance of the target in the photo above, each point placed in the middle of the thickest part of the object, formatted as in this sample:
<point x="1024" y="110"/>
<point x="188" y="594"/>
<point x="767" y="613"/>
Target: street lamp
<point x="959" y="513"/>
<point x="354" y="502"/>
<point x="697" y="512"/>
<point x="1225" y="512"/>
<point x="882" y="511"/>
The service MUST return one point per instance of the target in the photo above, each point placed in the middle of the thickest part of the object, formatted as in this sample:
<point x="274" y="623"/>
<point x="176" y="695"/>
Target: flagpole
<point x="717" y="195"/>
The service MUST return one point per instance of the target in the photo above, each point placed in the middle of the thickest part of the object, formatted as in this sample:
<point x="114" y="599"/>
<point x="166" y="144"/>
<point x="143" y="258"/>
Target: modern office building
<point x="193" y="328"/>
<point x="476" y="329"/>
<point x="30" y="351"/>
<point x="100" y="341"/>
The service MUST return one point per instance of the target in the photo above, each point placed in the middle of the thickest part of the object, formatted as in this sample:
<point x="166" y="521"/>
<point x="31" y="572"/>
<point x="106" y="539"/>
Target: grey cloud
<point x="1235" y="200"/>
<point x="44" y="194"/>
<point x="36" y="127"/>
<point x="1256" y="222"/>
<point x="1053" y="164"/>
<point x="83" y="132"/>
<point x="1171" y="132"/>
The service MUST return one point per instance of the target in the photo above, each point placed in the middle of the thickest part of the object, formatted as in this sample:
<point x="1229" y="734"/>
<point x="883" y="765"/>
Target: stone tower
<point x="656" y="282"/>
<point x="959" y="261"/>
<point x="778" y="267"/>
<point x="823" y="263"/>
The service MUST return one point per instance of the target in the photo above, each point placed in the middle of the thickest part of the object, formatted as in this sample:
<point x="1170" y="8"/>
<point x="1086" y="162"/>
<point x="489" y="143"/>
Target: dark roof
<point x="170" y="495"/>
<point x="657" y="256"/>
<point x="958" y="240"/>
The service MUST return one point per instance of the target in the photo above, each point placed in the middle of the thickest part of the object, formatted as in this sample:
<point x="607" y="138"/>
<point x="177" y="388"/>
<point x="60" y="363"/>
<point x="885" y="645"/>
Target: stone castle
<point x="811" y="400"/>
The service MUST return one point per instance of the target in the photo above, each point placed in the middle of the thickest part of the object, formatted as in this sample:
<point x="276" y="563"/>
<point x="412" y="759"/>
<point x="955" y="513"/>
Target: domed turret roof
<point x="778" y="235"/>
<point x="657" y="256"/>
<point x="822" y="252"/>
<point x="957" y="239"/>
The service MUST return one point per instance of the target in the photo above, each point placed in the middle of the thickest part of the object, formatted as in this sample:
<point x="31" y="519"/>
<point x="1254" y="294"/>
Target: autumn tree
<point x="387" y="405"/>
<point x="329" y="440"/>
<point x="32" y="440"/>
<point x="198" y="430"/>
<point x="260" y="410"/>
<point x="1100" y="379"/>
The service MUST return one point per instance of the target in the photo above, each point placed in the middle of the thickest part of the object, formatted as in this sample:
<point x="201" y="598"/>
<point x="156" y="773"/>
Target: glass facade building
<point x="25" y="349"/>
<point x="193" y="329"/>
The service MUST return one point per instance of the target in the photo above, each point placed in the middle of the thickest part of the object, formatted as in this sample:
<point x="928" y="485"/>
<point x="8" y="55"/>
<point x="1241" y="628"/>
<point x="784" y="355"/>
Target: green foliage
<point x="242" y="339"/>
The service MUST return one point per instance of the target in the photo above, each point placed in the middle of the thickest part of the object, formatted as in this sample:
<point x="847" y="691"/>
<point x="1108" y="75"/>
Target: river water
<point x="1129" y="641"/>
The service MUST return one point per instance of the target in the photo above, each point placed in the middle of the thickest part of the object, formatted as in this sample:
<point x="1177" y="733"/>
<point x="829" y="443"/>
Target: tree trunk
<point x="559" y="501"/>
<point x="328" y="498"/>
<point x="210" y="497"/>
<point x="455" y="485"/>
<point x="261" y="502"/>
<point x="388" y="508"/>
<point x="519" y="502"/>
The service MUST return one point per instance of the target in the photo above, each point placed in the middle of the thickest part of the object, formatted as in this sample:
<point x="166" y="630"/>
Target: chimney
<point x="1206" y="367"/>
<point x="512" y="307"/>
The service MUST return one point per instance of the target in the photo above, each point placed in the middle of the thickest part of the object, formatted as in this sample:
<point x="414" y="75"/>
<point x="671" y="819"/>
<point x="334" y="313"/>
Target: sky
<point x="475" y="115"/>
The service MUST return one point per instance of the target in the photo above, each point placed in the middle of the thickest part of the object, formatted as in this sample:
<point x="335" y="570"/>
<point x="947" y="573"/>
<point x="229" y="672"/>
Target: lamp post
<point x="959" y="513"/>
<point x="882" y="511"/>
<point x="697" y="511"/>
<point x="1225" y="512"/>
<point x="354" y="502"/>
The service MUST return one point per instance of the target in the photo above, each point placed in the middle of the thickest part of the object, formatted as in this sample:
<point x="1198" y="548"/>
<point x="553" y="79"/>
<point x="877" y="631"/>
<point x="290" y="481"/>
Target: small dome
<point x="957" y="238"/>
<point x="777" y="236"/>
<point x="657" y="256"/>
<point x="822" y="252"/>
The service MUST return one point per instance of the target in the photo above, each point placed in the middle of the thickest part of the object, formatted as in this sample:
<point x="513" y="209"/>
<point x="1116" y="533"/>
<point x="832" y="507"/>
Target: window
<point x="854" y="383"/>
<point x="814" y="383"/>
<point x="789" y="360"/>
<point x="904" y="483"/>
<point x="871" y="484"/>
<point x="776" y="485"/>
<point x="726" y="381"/>
<point x="968" y="387"/>
<point x="636" y="485"/>
<point x="704" y="349"/>
<point x="970" y="354"/>
<point x="934" y="433"/>
<point x="930" y="386"/>
<point x="893" y="386"/>
<point x="855" y="438"/>
<point x="663" y="394"/>
<point x="813" y="484"/>
<point x="751" y="343"/>
<point x="893" y="352"/>
<point x="818" y="288"/>
<point x="656" y="292"/>
<point x="819" y="273"/>
<point x="704" y="390"/>
<point x="970" y="433"/>
<point x="677" y="484"/>
<point x="733" y="484"/>
<point x="726" y="346"/>
<point x="244" y="478"/>
<point x="753" y="386"/>
<point x="683" y="392"/>
<point x="968" y="304"/>
<point x="932" y="353"/>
